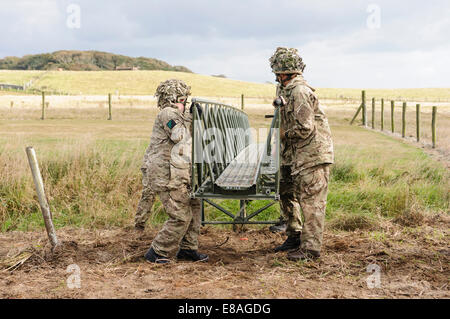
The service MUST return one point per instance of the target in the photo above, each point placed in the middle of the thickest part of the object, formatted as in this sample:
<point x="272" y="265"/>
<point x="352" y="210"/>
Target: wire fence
<point x="389" y="123"/>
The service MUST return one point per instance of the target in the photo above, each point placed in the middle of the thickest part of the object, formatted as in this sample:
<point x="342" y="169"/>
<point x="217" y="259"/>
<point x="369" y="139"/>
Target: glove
<point x="199" y="109"/>
<point x="279" y="101"/>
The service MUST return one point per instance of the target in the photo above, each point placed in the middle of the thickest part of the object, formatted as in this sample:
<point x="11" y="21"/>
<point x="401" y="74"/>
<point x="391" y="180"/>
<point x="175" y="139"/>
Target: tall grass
<point x="92" y="184"/>
<point x="385" y="192"/>
<point x="98" y="185"/>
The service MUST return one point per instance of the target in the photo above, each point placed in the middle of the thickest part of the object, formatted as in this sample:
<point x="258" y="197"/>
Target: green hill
<point x="85" y="61"/>
<point x="130" y="83"/>
<point x="144" y="82"/>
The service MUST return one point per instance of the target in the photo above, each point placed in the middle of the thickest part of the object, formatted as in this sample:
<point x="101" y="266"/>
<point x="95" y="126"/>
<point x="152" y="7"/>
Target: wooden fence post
<point x="39" y="184"/>
<point x="433" y="126"/>
<point x="12" y="104"/>
<point x="382" y="114"/>
<point x="404" y="119"/>
<point x="43" y="105"/>
<point x="364" y="108"/>
<point x="418" y="122"/>
<point x="242" y="101"/>
<point x="392" y="116"/>
<point x="356" y="114"/>
<point x="109" y="107"/>
<point x="373" y="113"/>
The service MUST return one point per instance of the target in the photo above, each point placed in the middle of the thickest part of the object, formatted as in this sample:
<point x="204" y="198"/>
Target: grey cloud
<point x="237" y="37"/>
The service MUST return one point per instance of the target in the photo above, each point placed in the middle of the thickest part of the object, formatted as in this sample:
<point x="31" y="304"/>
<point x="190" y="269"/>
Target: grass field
<point x="145" y="83"/>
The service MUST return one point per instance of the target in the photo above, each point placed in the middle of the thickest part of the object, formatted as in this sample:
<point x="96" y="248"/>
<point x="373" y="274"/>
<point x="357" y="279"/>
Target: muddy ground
<point x="414" y="263"/>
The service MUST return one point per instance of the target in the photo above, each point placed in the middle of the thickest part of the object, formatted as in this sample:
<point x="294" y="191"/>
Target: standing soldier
<point x="168" y="168"/>
<point x="307" y="153"/>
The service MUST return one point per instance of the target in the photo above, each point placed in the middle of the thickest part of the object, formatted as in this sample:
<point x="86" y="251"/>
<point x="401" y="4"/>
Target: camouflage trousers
<point x="289" y="206"/>
<point x="146" y="202"/>
<point x="309" y="188"/>
<point x="144" y="207"/>
<point x="183" y="226"/>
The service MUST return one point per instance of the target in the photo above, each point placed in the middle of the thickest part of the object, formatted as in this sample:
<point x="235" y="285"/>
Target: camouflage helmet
<point x="286" y="61"/>
<point x="170" y="91"/>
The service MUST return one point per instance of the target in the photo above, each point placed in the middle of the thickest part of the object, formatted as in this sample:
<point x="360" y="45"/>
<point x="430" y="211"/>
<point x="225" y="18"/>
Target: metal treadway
<point x="242" y="172"/>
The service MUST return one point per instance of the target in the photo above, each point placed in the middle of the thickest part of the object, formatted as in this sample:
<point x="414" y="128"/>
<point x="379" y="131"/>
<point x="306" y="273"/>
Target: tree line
<point x="85" y="61"/>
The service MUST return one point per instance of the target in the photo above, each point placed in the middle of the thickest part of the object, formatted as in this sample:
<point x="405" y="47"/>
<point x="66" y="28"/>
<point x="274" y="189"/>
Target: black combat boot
<point x="291" y="243"/>
<point x="279" y="227"/>
<point x="192" y="255"/>
<point x="153" y="257"/>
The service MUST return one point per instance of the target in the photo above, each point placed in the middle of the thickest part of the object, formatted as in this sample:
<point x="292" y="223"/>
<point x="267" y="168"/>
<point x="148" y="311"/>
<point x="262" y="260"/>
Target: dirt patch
<point x="413" y="262"/>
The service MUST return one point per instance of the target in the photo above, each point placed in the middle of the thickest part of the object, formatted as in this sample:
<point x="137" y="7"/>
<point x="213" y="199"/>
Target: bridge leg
<point x="242" y="206"/>
<point x="202" y="208"/>
<point x="242" y="218"/>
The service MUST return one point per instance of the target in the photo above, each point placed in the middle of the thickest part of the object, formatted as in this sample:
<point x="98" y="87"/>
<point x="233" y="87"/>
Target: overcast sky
<point x="347" y="43"/>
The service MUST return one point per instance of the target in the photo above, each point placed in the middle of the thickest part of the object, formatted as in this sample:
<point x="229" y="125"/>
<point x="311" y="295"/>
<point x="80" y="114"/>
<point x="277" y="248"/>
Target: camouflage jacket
<point x="167" y="160"/>
<point x="307" y="141"/>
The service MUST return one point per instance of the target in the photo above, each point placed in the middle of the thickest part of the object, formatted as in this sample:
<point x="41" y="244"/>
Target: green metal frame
<point x="222" y="119"/>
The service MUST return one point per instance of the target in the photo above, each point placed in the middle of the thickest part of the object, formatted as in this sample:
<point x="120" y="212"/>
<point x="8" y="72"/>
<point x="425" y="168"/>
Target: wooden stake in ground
<point x="43" y="106"/>
<point x="418" y="122"/>
<point x="364" y="108"/>
<point x="404" y="120"/>
<point x="109" y="107"/>
<point x="39" y="184"/>
<point x="433" y="126"/>
<point x="356" y="114"/>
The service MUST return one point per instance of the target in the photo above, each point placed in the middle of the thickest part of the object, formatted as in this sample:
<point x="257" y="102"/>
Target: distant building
<point x="126" y="68"/>
<point x="11" y="87"/>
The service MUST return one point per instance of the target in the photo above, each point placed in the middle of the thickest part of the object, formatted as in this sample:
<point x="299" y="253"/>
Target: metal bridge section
<point x="227" y="163"/>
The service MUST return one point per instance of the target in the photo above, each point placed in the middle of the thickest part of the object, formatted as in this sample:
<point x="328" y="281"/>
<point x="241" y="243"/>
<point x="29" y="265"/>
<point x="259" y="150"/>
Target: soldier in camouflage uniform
<point x="306" y="152"/>
<point x="167" y="166"/>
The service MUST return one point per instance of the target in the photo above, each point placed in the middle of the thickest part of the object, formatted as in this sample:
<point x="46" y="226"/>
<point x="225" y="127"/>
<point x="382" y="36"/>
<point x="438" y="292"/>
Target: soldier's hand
<point x="199" y="109"/>
<point x="279" y="101"/>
